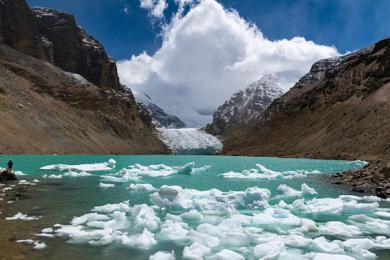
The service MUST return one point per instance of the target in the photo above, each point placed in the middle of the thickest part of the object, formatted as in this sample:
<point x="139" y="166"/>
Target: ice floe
<point x="76" y="174"/>
<point x="25" y="182"/>
<point x="106" y="185"/>
<point x="37" y="244"/>
<point x="142" y="187"/>
<point x="52" y="176"/>
<point x="262" y="172"/>
<point x="286" y="191"/>
<point x="25" y="241"/>
<point x="248" y="224"/>
<point x="137" y="171"/>
<point x="196" y="251"/>
<point x="161" y="255"/>
<point x="106" y="166"/>
<point x="226" y="254"/>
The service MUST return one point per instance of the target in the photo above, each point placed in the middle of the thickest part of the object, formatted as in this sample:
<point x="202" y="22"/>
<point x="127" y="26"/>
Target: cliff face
<point x="338" y="110"/>
<point x="45" y="107"/>
<point x="18" y="28"/>
<point x="55" y="37"/>
<point x="74" y="50"/>
<point x="244" y="106"/>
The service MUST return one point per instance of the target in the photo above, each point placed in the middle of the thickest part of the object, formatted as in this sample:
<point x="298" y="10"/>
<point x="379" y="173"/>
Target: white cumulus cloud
<point x="155" y="7"/>
<point x="208" y="54"/>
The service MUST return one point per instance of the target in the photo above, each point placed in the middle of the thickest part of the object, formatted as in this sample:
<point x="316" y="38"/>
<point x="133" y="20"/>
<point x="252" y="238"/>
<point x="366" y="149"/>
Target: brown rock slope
<point x="44" y="109"/>
<point x="340" y="109"/>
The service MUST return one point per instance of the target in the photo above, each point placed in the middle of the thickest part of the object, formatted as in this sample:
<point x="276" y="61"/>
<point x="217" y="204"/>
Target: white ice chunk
<point x="142" y="187"/>
<point x="195" y="252"/>
<point x="323" y="256"/>
<point x="264" y="173"/>
<point x="106" y="166"/>
<point x="88" y="218"/>
<point x="227" y="254"/>
<point x="192" y="216"/>
<point x="161" y="255"/>
<point x="39" y="245"/>
<point x="76" y="174"/>
<point x="144" y="217"/>
<point x="26" y="241"/>
<point x="269" y="250"/>
<point x="108" y="208"/>
<point x="52" y="176"/>
<point x="339" y="229"/>
<point x="144" y="241"/>
<point x="21" y="216"/>
<point x="173" y="231"/>
<point x="106" y="185"/>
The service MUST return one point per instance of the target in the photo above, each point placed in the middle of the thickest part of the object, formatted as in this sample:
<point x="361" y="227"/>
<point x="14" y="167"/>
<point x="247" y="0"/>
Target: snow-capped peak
<point x="267" y="80"/>
<point x="246" y="104"/>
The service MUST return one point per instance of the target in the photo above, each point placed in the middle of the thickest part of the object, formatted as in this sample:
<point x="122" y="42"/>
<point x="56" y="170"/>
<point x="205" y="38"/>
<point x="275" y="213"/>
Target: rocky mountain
<point x="244" y="106"/>
<point x="340" y="109"/>
<point x="73" y="50"/>
<point x="62" y="102"/>
<point x="157" y="115"/>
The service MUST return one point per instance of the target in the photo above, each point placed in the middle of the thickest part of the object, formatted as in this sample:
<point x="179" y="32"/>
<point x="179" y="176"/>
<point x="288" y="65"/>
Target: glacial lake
<point x="196" y="207"/>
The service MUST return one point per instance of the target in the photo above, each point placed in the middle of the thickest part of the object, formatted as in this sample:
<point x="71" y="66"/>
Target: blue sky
<point x="346" y="24"/>
<point x="211" y="49"/>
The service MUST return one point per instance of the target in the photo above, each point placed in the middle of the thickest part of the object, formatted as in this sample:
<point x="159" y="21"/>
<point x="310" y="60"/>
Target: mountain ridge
<point x="47" y="108"/>
<point x="338" y="110"/>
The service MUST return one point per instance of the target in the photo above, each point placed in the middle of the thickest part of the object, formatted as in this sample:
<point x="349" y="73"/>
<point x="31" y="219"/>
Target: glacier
<point x="190" y="141"/>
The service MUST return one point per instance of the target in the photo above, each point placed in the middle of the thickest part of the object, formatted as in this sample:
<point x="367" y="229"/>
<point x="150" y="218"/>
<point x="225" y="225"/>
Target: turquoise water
<point x="188" y="214"/>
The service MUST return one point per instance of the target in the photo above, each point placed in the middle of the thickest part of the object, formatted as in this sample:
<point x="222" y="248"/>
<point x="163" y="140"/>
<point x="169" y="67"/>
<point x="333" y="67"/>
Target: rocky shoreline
<point x="373" y="179"/>
<point x="11" y="231"/>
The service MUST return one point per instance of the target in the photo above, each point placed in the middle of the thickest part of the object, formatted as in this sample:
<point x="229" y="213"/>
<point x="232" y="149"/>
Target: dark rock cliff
<point x="18" y="28"/>
<point x="74" y="50"/>
<point x="55" y="37"/>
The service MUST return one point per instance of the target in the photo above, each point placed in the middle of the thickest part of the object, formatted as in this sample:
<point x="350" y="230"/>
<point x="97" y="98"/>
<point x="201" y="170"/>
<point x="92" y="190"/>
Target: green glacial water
<point x="197" y="207"/>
